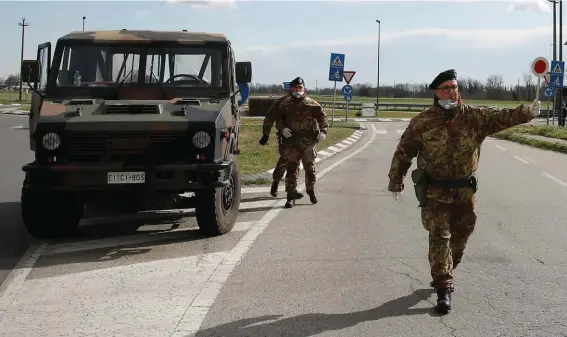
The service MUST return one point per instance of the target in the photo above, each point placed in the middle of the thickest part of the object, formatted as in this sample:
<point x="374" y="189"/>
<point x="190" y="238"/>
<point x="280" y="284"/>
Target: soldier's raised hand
<point x="534" y="108"/>
<point x="286" y="133"/>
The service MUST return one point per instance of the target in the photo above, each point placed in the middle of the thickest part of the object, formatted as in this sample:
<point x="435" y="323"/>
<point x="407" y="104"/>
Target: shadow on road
<point x="14" y="239"/>
<point x="314" y="324"/>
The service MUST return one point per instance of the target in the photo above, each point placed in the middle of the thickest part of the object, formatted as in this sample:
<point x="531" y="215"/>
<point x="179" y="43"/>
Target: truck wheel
<point x="49" y="214"/>
<point x="216" y="210"/>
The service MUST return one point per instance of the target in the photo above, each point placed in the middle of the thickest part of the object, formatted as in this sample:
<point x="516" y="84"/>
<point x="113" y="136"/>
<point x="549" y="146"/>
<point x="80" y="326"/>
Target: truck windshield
<point x="127" y="65"/>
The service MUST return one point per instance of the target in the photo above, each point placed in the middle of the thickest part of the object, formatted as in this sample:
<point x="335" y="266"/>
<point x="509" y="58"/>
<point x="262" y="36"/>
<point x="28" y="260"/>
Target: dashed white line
<point x="500" y="147"/>
<point x="554" y="178"/>
<point x="381" y="131"/>
<point x="522" y="160"/>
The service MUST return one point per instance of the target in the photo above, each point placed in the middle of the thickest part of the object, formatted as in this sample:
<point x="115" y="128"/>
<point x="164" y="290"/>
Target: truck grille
<point x="113" y="146"/>
<point x="132" y="109"/>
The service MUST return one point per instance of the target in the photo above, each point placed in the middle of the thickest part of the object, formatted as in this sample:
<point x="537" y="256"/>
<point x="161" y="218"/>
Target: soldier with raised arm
<point x="302" y="121"/>
<point x="446" y="139"/>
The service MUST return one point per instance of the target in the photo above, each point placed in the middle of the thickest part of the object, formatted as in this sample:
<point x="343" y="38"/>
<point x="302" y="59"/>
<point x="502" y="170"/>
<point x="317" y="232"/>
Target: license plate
<point x="126" y="177"/>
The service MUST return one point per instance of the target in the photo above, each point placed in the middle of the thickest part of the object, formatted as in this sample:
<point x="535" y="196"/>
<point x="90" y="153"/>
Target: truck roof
<point x="124" y="35"/>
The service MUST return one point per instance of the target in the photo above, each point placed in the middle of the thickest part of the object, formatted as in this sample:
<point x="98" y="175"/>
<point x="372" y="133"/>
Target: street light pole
<point x="24" y="25"/>
<point x="378" y="68"/>
<point x="84" y="17"/>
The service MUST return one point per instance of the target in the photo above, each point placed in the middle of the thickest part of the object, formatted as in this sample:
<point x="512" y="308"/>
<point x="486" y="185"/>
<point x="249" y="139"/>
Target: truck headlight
<point x="201" y="139"/>
<point x="51" y="141"/>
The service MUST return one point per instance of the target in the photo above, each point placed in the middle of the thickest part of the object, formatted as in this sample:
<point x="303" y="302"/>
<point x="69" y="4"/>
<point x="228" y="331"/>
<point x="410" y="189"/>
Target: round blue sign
<point x="548" y="92"/>
<point x="347" y="90"/>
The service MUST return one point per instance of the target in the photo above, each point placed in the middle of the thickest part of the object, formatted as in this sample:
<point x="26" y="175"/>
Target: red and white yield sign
<point x="348" y="75"/>
<point x="540" y="67"/>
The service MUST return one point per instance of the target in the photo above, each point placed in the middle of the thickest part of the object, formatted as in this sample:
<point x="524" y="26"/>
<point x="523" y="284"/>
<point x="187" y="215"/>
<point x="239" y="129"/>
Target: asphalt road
<point x="355" y="264"/>
<point x="14" y="145"/>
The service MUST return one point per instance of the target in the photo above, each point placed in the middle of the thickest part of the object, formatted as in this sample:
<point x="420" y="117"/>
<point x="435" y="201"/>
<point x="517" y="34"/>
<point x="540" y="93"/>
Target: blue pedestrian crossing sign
<point x="556" y="74"/>
<point x="336" y="67"/>
<point x="548" y="92"/>
<point x="347" y="90"/>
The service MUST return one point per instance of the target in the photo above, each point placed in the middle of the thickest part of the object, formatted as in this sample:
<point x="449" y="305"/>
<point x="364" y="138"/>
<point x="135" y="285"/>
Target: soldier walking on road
<point x="302" y="121"/>
<point x="281" y="165"/>
<point x="446" y="139"/>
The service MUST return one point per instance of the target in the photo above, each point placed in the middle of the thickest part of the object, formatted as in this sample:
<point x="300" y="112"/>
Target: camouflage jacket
<point x="271" y="116"/>
<point x="303" y="116"/>
<point x="449" y="148"/>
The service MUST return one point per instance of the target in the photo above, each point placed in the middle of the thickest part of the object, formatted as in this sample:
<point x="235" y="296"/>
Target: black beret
<point x="296" y="81"/>
<point x="446" y="75"/>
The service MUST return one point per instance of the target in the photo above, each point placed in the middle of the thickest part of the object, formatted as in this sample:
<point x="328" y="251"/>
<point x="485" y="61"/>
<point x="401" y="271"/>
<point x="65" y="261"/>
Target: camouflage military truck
<point x="133" y="118"/>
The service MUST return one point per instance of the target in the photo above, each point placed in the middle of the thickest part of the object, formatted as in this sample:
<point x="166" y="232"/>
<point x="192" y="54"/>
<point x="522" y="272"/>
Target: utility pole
<point x="24" y="25"/>
<point x="378" y="69"/>
<point x="84" y="17"/>
<point x="560" y="30"/>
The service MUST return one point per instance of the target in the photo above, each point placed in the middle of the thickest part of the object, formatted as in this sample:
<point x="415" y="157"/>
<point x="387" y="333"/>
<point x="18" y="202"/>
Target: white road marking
<point x="334" y="149"/>
<point x="352" y="139"/>
<point x="384" y="120"/>
<point x="500" y="147"/>
<point x="342" y="145"/>
<point x="530" y="160"/>
<point x="347" y="142"/>
<point x="522" y="160"/>
<point x="400" y="131"/>
<point x="324" y="153"/>
<point x="381" y="131"/>
<point x="195" y="314"/>
<point x="318" y="159"/>
<point x="71" y="247"/>
<point x="360" y="120"/>
<point x="554" y="178"/>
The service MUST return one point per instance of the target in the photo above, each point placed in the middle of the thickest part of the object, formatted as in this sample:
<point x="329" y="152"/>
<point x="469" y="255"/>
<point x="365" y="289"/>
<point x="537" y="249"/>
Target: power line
<point x="23" y="24"/>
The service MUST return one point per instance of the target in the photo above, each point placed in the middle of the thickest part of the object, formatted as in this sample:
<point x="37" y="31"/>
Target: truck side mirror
<point x="30" y="71"/>
<point x="243" y="72"/>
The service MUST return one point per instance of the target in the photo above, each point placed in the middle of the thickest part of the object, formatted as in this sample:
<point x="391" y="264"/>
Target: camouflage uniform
<point x="447" y="144"/>
<point x="305" y="117"/>
<point x="281" y="165"/>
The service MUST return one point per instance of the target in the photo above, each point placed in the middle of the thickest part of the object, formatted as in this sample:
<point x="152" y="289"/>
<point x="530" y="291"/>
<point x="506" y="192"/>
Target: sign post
<point x="336" y="68"/>
<point x="548" y="93"/>
<point x="347" y="94"/>
<point x="540" y="67"/>
<point x="557" y="71"/>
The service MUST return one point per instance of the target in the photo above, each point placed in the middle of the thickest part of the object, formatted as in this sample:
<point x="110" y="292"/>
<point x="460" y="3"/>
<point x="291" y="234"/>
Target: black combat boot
<point x="444" y="300"/>
<point x="274" y="191"/>
<point x="290" y="200"/>
<point x="312" y="197"/>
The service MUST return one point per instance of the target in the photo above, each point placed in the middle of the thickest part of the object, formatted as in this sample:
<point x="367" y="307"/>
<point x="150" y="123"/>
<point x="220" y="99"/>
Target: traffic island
<point x="545" y="137"/>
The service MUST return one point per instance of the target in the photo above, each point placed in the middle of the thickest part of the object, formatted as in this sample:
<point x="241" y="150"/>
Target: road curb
<point x="321" y="154"/>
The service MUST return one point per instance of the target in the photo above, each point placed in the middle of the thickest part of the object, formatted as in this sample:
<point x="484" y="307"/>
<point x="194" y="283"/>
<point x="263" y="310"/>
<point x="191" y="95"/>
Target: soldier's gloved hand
<point x="321" y="137"/>
<point x="264" y="140"/>
<point x="534" y="108"/>
<point x="286" y="133"/>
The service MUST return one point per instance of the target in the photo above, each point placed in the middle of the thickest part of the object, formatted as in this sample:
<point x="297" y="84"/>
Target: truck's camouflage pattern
<point x="172" y="129"/>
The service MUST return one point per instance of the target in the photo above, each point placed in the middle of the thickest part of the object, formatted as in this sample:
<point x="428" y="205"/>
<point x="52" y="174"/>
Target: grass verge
<point x="255" y="158"/>
<point x="518" y="134"/>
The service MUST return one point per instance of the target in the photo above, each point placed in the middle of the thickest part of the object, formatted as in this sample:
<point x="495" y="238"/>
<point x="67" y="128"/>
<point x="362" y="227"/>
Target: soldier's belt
<point x="453" y="183"/>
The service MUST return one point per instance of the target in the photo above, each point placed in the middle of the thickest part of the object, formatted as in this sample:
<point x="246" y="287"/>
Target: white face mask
<point x="448" y="103"/>
<point x="298" y="94"/>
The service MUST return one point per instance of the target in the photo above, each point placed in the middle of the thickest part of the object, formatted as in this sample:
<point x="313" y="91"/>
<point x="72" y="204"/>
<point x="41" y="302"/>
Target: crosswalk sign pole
<point x="334" y="97"/>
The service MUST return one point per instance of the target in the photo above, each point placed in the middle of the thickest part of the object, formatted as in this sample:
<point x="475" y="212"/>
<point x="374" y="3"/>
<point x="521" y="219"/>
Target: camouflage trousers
<point x="293" y="154"/>
<point x="280" y="169"/>
<point x="449" y="227"/>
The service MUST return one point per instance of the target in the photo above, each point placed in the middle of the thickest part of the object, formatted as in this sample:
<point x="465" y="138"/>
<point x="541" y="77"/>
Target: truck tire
<point x="216" y="210"/>
<point x="49" y="214"/>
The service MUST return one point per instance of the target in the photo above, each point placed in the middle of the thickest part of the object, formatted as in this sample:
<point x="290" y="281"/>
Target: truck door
<point x="44" y="58"/>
